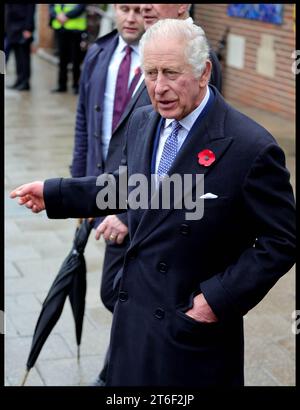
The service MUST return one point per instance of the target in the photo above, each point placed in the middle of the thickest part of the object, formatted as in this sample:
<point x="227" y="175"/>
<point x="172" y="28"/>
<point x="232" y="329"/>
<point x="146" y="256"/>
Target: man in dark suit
<point x="19" y="27"/>
<point x="187" y="283"/>
<point x="98" y="144"/>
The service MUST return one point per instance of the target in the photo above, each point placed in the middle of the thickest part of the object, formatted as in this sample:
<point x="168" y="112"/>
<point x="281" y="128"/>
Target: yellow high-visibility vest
<point x="77" y="23"/>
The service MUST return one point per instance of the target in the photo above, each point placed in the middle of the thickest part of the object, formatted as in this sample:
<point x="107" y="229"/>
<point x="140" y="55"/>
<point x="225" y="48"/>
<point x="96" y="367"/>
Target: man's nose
<point x="131" y="16"/>
<point x="161" y="84"/>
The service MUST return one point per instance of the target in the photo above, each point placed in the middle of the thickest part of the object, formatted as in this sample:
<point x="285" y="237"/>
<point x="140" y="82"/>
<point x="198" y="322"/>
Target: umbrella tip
<point x="25" y="377"/>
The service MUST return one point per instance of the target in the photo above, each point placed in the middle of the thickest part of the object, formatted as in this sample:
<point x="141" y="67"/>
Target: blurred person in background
<point x="19" y="27"/>
<point x="69" y="22"/>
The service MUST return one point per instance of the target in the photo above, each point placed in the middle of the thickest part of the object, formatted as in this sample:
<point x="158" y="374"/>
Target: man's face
<point x="153" y="12"/>
<point x="129" y="22"/>
<point x="173" y="89"/>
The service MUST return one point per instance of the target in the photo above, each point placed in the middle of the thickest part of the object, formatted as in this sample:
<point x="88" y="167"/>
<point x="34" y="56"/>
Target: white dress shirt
<point x="109" y="94"/>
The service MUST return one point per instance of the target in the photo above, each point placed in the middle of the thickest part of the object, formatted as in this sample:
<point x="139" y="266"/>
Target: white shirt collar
<point x="122" y="44"/>
<point x="189" y="20"/>
<point x="188" y="121"/>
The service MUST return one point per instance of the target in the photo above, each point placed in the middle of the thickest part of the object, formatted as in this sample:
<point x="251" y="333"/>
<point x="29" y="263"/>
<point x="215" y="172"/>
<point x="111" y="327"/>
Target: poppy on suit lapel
<point x="206" y="157"/>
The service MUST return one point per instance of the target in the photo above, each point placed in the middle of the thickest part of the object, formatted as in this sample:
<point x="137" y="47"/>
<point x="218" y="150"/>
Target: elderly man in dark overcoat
<point x="187" y="281"/>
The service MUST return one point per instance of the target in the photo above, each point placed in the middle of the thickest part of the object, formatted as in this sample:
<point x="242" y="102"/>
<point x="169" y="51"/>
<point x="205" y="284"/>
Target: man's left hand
<point x="27" y="34"/>
<point x="201" y="311"/>
<point x="112" y="229"/>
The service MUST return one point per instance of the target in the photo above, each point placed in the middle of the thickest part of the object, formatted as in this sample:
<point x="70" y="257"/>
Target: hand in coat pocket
<point x="201" y="311"/>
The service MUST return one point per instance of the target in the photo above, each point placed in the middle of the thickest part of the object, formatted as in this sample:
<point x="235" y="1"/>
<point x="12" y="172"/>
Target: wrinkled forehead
<point x="161" y="47"/>
<point x="167" y="10"/>
<point x="163" y="41"/>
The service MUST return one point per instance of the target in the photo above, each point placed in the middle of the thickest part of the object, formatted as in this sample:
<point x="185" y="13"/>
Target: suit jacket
<point x="18" y="18"/>
<point x="234" y="254"/>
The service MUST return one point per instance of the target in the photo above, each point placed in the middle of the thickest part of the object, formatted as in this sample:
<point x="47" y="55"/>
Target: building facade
<point x="258" y="59"/>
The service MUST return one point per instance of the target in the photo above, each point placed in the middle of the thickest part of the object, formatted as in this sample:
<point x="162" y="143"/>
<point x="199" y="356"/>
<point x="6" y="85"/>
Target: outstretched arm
<point x="74" y="197"/>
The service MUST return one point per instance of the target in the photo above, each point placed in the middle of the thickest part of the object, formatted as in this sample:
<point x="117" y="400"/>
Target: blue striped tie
<point x="170" y="150"/>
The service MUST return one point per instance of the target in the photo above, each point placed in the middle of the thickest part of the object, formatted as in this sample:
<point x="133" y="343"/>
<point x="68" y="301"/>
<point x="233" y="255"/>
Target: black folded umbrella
<point x="70" y="281"/>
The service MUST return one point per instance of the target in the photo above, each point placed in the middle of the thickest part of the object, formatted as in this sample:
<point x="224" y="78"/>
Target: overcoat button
<point x="159" y="313"/>
<point x="133" y="255"/>
<point x="162" y="267"/>
<point x="96" y="134"/>
<point x="123" y="296"/>
<point x="98" y="165"/>
<point x="97" y="108"/>
<point x="184" y="229"/>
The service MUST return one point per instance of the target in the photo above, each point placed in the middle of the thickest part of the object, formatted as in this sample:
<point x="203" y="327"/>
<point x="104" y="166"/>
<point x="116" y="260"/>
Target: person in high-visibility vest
<point x="69" y="22"/>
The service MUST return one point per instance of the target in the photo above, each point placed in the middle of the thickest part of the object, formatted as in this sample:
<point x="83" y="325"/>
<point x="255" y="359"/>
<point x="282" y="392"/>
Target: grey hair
<point x="196" y="49"/>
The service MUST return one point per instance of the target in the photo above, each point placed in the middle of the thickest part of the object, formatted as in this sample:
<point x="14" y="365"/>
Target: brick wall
<point x="246" y="85"/>
<point x="45" y="35"/>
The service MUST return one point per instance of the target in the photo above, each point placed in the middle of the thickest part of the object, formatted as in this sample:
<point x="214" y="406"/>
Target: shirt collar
<point x="188" y="121"/>
<point x="122" y="44"/>
<point x="189" y="20"/>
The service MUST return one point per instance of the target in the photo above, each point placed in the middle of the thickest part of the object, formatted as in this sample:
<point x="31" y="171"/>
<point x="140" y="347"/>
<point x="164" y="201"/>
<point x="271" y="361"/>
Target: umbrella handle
<point x="80" y="220"/>
<point x="25" y="377"/>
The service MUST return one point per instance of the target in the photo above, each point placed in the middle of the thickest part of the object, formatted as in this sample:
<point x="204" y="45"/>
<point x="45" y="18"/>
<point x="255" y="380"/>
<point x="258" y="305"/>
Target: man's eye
<point x="151" y="74"/>
<point x="172" y="74"/>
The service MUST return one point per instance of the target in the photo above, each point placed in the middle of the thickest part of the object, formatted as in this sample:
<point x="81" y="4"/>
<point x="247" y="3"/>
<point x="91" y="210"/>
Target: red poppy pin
<point x="206" y="157"/>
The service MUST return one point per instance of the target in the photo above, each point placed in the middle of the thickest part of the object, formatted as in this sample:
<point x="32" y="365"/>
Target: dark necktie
<point x="121" y="87"/>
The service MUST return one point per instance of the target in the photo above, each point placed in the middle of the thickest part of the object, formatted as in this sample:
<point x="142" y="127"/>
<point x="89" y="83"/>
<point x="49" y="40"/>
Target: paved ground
<point x="38" y="145"/>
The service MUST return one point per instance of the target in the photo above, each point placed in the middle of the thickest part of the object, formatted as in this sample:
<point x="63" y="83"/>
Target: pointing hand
<point x="31" y="195"/>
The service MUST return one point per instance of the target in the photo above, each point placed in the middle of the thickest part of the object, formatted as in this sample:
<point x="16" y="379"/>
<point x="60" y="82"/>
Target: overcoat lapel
<point x="143" y="146"/>
<point x="206" y="135"/>
<point x="106" y="52"/>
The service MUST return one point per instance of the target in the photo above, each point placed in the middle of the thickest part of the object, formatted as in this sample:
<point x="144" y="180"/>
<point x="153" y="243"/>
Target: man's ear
<point x="183" y="9"/>
<point x="205" y="76"/>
